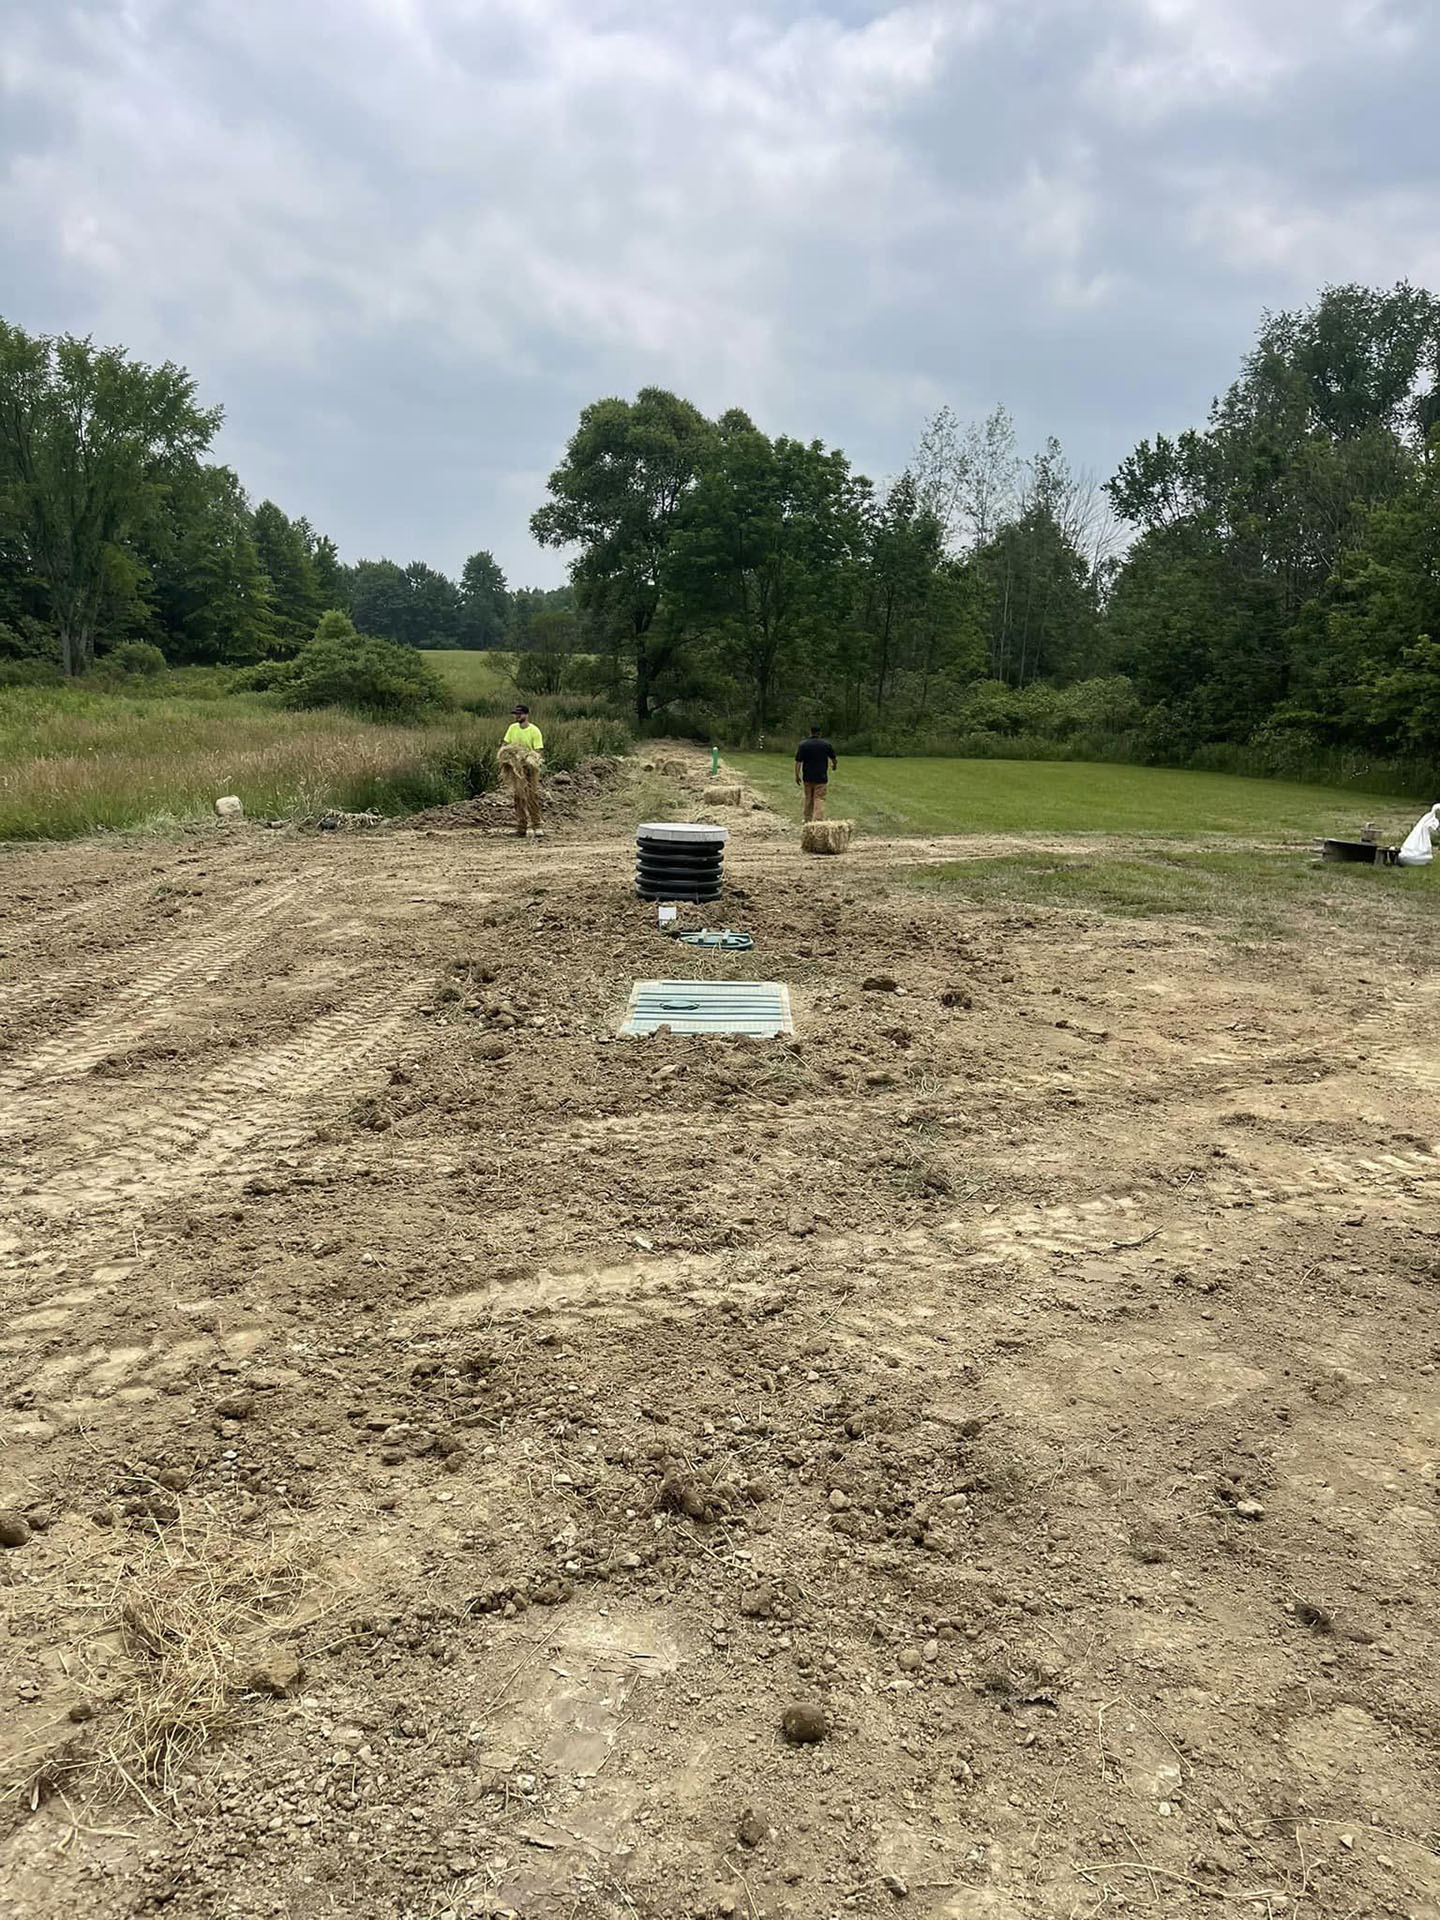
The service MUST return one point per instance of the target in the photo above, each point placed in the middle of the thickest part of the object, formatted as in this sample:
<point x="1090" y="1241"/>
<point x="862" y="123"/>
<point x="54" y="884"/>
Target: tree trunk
<point x="642" y="677"/>
<point x="74" y="647"/>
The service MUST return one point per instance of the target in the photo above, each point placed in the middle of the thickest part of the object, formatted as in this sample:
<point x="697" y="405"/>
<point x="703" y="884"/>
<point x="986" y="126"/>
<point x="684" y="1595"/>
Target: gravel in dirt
<point x="494" y="1467"/>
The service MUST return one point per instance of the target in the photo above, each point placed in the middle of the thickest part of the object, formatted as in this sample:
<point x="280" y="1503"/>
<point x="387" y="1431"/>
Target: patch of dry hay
<point x="515" y="762"/>
<point x="724" y="796"/>
<point x="826" y="836"/>
<point x="196" y="1623"/>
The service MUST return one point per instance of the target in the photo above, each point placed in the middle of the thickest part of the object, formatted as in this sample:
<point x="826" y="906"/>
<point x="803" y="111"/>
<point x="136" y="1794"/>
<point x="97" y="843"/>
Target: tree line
<point x="1269" y="580"/>
<point x="1266" y="582"/>
<point x="116" y="529"/>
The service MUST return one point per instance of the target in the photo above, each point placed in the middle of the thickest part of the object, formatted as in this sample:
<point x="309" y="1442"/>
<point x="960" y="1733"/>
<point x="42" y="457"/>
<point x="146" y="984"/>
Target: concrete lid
<point x="679" y="830"/>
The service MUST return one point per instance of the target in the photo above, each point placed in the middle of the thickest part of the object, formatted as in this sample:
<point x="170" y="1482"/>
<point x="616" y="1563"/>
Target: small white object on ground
<point x="1416" y="850"/>
<point x="229" y="808"/>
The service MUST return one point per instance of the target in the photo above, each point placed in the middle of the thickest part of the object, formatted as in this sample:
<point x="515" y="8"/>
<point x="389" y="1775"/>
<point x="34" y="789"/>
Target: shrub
<point x="373" y="677"/>
<point x="30" y="673"/>
<point x="28" y="639"/>
<point x="135" y="660"/>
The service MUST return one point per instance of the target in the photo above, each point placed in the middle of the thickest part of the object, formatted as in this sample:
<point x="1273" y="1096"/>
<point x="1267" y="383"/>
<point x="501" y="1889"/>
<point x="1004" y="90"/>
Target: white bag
<point x="1417" y="851"/>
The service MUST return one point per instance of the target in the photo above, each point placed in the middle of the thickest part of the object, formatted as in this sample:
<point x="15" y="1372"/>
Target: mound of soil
<point x="563" y="797"/>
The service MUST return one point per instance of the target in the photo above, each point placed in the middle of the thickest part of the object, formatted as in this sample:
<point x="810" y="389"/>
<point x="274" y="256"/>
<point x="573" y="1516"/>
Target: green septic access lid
<point x="757" y="1007"/>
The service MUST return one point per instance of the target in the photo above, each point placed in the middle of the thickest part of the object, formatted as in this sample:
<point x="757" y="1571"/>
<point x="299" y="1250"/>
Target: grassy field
<point x="473" y="676"/>
<point x="1069" y="796"/>
<point x="72" y="760"/>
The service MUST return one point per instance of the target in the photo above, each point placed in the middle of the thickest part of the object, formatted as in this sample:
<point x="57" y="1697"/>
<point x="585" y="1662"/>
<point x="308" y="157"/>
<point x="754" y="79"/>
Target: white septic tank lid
<point x="678" y="830"/>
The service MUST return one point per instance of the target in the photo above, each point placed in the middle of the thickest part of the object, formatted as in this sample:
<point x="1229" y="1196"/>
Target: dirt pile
<point x="563" y="797"/>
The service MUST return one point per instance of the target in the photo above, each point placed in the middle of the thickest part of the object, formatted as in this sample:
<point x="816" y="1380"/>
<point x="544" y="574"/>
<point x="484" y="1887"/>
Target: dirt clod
<point x="278" y="1671"/>
<point x="752" y="1829"/>
<point x="14" y="1528"/>
<point x="804" y="1723"/>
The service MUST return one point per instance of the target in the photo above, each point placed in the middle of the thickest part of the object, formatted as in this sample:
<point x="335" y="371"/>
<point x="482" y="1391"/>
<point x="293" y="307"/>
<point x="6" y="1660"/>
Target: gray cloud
<point x="406" y="240"/>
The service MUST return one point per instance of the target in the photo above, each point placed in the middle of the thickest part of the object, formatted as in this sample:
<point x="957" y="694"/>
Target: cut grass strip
<point x="1051" y="797"/>
<point x="1257" y="892"/>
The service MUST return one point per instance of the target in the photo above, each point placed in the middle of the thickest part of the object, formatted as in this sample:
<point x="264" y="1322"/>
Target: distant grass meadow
<point x="73" y="760"/>
<point x="1253" y="891"/>
<point x="474" y="676"/>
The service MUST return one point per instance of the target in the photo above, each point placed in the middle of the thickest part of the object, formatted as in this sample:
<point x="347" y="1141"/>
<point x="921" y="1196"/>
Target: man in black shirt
<point x="813" y="760"/>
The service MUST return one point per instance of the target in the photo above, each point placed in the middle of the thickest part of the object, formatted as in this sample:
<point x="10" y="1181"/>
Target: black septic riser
<point x="676" y="861"/>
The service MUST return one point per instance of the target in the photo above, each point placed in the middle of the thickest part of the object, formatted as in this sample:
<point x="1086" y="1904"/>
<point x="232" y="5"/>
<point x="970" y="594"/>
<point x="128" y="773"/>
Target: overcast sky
<point x="405" y="241"/>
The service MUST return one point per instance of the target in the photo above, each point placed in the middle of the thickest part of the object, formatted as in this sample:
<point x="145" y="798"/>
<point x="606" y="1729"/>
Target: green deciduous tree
<point x="283" y="546"/>
<point x="90" y="442"/>
<point x="414" y="606"/>
<point x="1246" y="525"/>
<point x="484" y="602"/>
<point x="759" y="565"/>
<point x="617" y="496"/>
<point x="209" y="595"/>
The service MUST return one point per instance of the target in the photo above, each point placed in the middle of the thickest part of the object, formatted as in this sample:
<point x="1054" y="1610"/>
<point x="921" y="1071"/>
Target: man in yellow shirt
<point x="519" y="759"/>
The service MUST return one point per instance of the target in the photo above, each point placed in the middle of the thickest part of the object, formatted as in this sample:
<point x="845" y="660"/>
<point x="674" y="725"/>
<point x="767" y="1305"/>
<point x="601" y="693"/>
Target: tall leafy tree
<point x="435" y="608"/>
<point x="332" y="577"/>
<point x="414" y="606"/>
<point x="484" y="602"/>
<point x="379" y="598"/>
<point x="617" y="496"/>
<point x="1368" y="668"/>
<point x="283" y="546"/>
<point x="1322" y="428"/>
<point x="90" y="441"/>
<point x="1041" y="590"/>
<point x="760" y="561"/>
<point x="209" y="594"/>
<point x="917" y="607"/>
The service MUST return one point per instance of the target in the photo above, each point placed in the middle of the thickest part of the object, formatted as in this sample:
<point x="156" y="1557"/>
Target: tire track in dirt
<point x="915" y="1282"/>
<point x="267" y="1101"/>
<point x="238" y="1122"/>
<point x="146" y="1002"/>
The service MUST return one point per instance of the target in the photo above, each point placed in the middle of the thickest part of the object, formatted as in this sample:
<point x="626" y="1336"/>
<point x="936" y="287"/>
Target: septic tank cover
<point x="757" y="1007"/>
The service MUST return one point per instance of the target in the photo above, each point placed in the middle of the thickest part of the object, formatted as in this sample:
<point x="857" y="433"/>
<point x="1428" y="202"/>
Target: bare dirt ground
<point x="485" y="1428"/>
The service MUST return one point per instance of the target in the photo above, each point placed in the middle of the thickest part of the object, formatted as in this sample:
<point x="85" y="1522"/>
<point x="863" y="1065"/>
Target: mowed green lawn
<point x="1048" y="797"/>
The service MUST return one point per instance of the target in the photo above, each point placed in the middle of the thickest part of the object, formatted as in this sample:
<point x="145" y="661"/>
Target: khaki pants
<point x="815" y="799"/>
<point x="520" y="770"/>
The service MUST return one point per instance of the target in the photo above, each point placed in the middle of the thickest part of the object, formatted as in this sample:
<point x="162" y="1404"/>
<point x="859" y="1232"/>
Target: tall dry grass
<point x="72" y="761"/>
